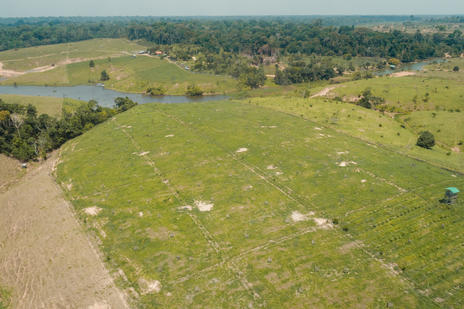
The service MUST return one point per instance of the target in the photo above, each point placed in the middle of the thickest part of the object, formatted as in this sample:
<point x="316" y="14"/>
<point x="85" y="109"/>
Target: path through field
<point x="46" y="260"/>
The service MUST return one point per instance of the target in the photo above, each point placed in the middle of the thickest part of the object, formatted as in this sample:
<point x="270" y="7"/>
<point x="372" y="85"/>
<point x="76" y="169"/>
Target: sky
<point x="25" y="8"/>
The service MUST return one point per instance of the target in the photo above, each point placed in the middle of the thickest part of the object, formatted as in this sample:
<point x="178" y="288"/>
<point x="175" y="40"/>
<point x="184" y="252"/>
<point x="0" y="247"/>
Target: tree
<point x="123" y="104"/>
<point x="104" y="76"/>
<point x="92" y="64"/>
<point x="368" y="100"/>
<point x="456" y="69"/>
<point x="426" y="140"/>
<point x="156" y="91"/>
<point x="194" y="91"/>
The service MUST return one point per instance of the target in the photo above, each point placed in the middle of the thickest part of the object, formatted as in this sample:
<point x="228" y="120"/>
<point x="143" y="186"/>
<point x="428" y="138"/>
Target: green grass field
<point x="131" y="75"/>
<point x="380" y="129"/>
<point x="45" y="105"/>
<point x="25" y="59"/>
<point x="410" y="93"/>
<point x="295" y="214"/>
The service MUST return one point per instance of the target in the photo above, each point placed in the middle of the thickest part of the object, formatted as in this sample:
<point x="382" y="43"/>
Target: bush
<point x="426" y="140"/>
<point x="456" y="69"/>
<point x="156" y="91"/>
<point x="92" y="64"/>
<point x="194" y="91"/>
<point x="104" y="76"/>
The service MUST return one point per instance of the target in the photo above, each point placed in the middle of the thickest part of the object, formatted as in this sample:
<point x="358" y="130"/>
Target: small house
<point x="158" y="53"/>
<point x="451" y="195"/>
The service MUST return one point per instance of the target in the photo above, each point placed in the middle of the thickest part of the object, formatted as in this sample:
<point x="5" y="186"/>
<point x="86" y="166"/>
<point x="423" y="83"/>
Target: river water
<point x="417" y="66"/>
<point x="104" y="97"/>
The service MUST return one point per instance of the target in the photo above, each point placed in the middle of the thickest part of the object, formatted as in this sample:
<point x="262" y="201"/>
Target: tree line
<point x="25" y="135"/>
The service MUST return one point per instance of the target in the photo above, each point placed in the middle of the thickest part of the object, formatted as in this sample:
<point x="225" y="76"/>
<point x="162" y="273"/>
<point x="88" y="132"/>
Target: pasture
<point x="25" y="59"/>
<point x="409" y="93"/>
<point x="229" y="204"/>
<point x="45" y="105"/>
<point x="129" y="74"/>
<point x="380" y="129"/>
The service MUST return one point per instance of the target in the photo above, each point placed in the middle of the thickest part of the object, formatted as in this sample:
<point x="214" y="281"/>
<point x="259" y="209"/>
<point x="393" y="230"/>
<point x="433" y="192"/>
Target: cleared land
<point x="131" y="74"/>
<point x="43" y="57"/>
<point x="411" y="93"/>
<point x="232" y="205"/>
<point x="46" y="260"/>
<point x="379" y="129"/>
<point x="45" y="105"/>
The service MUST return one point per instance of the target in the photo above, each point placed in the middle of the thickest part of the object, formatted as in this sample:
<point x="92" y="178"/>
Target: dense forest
<point x="251" y="36"/>
<point x="26" y="135"/>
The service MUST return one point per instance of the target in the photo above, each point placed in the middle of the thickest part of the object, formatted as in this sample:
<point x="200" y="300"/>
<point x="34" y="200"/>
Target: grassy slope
<point x="207" y="259"/>
<point x="368" y="125"/>
<point x="29" y="58"/>
<point x="447" y="127"/>
<point x="400" y="92"/>
<point x="45" y="105"/>
<point x="131" y="75"/>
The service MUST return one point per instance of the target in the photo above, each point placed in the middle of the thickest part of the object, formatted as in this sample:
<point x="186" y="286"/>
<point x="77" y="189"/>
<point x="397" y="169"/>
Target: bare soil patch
<point x="46" y="259"/>
<point x="403" y="74"/>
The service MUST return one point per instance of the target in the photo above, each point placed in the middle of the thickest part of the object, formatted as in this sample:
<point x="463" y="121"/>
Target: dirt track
<point x="46" y="259"/>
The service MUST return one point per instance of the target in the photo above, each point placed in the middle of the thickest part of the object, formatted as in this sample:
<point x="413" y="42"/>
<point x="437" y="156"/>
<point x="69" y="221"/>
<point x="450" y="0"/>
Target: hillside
<point x="231" y="205"/>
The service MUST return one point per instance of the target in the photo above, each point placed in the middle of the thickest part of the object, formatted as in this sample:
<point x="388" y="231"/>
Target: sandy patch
<point x="149" y="287"/>
<point x="317" y="128"/>
<point x="92" y="211"/>
<point x="403" y="74"/>
<point x="342" y="152"/>
<point x="169" y="135"/>
<point x="242" y="150"/>
<point x="9" y="73"/>
<point x="346" y="163"/>
<point x="186" y="207"/>
<point x="298" y="216"/>
<point x="100" y="305"/>
<point x="323" y="223"/>
<point x="456" y="149"/>
<point x="269" y="127"/>
<point x="204" y="206"/>
<point x="324" y="92"/>
<point x="279" y="173"/>
<point x="363" y="181"/>
<point x="140" y="214"/>
<point x="271" y="167"/>
<point x="143" y="153"/>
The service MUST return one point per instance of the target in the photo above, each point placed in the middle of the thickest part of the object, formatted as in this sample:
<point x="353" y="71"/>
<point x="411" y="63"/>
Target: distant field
<point x="409" y="93"/>
<point x="29" y="58"/>
<point x="233" y="205"/>
<point x="448" y="127"/>
<point x="372" y="126"/>
<point x="129" y="74"/>
<point x="45" y="105"/>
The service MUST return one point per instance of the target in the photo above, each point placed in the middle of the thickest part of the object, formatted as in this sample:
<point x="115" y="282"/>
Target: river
<point x="104" y="97"/>
<point x="416" y="66"/>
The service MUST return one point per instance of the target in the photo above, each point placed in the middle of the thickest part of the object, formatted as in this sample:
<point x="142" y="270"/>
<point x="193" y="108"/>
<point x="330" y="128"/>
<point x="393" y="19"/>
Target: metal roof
<point x="453" y="190"/>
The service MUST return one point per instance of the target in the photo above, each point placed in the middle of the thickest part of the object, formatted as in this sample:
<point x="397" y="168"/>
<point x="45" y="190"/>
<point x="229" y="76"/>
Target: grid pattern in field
<point x="272" y="184"/>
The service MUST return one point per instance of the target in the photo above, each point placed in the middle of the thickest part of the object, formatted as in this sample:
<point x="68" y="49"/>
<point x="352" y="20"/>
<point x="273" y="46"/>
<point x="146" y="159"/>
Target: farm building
<point x="451" y="195"/>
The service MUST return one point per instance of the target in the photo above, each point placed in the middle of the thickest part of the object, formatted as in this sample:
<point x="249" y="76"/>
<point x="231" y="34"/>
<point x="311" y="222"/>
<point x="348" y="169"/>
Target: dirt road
<point x="46" y="259"/>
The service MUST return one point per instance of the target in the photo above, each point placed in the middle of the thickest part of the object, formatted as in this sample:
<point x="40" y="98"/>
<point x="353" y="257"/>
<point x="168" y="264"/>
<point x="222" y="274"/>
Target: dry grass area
<point x="46" y="259"/>
<point x="10" y="170"/>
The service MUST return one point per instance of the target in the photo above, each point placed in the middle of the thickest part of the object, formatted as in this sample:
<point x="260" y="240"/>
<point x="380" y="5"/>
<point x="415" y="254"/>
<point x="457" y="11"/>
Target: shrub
<point x="456" y="69"/>
<point x="156" y="91"/>
<point x="426" y="140"/>
<point x="92" y="64"/>
<point x="104" y="76"/>
<point x="194" y="91"/>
